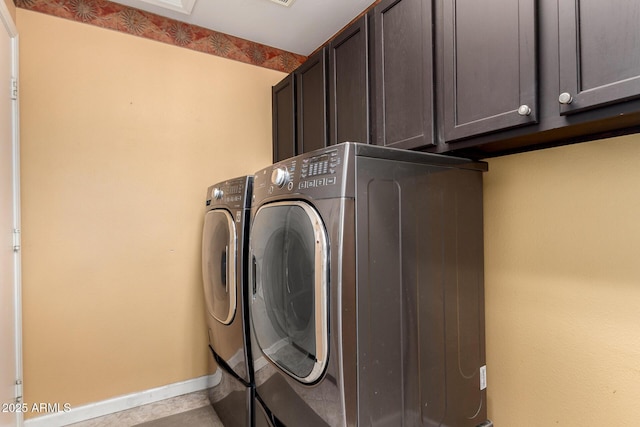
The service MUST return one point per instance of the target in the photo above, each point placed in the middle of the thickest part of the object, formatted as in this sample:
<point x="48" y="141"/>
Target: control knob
<point x="217" y="193"/>
<point x="280" y="177"/>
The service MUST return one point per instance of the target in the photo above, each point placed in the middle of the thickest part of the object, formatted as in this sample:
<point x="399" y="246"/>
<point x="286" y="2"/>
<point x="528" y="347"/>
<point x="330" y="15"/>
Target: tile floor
<point x="201" y="417"/>
<point x="188" y="410"/>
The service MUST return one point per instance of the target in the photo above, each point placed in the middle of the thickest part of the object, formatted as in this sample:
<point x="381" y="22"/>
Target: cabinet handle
<point x="524" y="110"/>
<point x="565" y="98"/>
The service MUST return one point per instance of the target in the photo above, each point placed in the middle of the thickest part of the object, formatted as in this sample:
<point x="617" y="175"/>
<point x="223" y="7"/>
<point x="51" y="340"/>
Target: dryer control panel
<point x="233" y="194"/>
<point x="318" y="174"/>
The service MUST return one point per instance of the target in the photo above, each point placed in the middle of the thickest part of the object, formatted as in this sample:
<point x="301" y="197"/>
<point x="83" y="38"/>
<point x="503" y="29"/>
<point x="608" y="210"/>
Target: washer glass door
<point x="219" y="242"/>
<point x="288" y="307"/>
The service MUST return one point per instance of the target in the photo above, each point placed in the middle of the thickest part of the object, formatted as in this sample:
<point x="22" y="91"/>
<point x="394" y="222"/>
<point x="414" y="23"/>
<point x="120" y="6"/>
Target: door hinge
<point x="14" y="88"/>
<point x="17" y="240"/>
<point x="18" y="391"/>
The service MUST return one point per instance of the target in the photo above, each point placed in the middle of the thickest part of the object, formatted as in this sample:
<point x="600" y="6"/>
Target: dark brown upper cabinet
<point x="283" y="119"/>
<point x="402" y="74"/>
<point x="349" y="85"/>
<point x="487" y="54"/>
<point x="588" y="74"/>
<point x="599" y="53"/>
<point x="469" y="78"/>
<point x="311" y="103"/>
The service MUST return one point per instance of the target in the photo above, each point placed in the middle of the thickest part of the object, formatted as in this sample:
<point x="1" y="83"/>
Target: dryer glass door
<point x="288" y="247"/>
<point x="219" y="242"/>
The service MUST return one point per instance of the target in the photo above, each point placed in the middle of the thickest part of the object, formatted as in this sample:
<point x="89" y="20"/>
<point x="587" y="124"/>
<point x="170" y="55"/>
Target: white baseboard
<point x="122" y="403"/>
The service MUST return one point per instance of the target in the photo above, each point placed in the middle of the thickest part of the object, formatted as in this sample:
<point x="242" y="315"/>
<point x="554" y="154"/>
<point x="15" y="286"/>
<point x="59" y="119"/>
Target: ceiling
<point x="299" y="28"/>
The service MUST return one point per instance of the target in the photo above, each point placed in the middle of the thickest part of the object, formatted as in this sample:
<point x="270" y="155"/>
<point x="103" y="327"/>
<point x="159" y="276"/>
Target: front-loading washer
<point x="224" y="268"/>
<point x="366" y="289"/>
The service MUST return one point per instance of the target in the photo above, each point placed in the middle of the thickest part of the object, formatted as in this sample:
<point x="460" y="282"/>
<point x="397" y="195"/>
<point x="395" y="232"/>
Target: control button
<point x="217" y="193"/>
<point x="290" y="186"/>
<point x="331" y="181"/>
<point x="280" y="177"/>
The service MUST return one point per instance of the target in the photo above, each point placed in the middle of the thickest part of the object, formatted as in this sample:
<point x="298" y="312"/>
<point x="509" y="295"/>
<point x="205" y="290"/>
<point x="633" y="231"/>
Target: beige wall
<point x="120" y="138"/>
<point x="12" y="8"/>
<point x="122" y="135"/>
<point x="562" y="240"/>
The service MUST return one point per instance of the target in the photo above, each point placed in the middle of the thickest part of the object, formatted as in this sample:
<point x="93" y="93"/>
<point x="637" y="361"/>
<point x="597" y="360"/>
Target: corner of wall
<point x="12" y="9"/>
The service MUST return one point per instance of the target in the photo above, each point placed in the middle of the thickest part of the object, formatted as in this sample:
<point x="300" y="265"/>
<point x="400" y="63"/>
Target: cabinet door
<point x="488" y="56"/>
<point x="283" y="116"/>
<point x="349" y="85"/>
<point x="599" y="52"/>
<point x="311" y="105"/>
<point x="402" y="74"/>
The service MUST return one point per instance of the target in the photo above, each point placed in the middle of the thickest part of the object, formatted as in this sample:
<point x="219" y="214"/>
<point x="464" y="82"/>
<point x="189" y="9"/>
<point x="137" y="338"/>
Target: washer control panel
<point x="317" y="174"/>
<point x="320" y="170"/>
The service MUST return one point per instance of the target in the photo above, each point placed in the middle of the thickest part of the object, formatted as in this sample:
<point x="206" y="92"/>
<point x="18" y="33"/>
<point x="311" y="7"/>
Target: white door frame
<point x="10" y="27"/>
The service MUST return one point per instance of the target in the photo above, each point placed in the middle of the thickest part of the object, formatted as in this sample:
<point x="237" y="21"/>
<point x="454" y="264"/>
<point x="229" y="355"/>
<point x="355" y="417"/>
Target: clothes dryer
<point x="366" y="289"/>
<point x="224" y="255"/>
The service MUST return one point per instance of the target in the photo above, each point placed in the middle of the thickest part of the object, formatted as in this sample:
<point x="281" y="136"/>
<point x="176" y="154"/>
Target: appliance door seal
<point x="219" y="256"/>
<point x="289" y="288"/>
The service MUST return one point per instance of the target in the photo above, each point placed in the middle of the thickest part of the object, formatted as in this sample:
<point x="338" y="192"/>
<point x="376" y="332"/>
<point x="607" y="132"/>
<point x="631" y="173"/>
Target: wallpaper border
<point x="114" y="16"/>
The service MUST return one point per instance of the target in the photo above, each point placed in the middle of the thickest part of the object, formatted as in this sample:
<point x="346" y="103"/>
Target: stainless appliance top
<point x="367" y="150"/>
